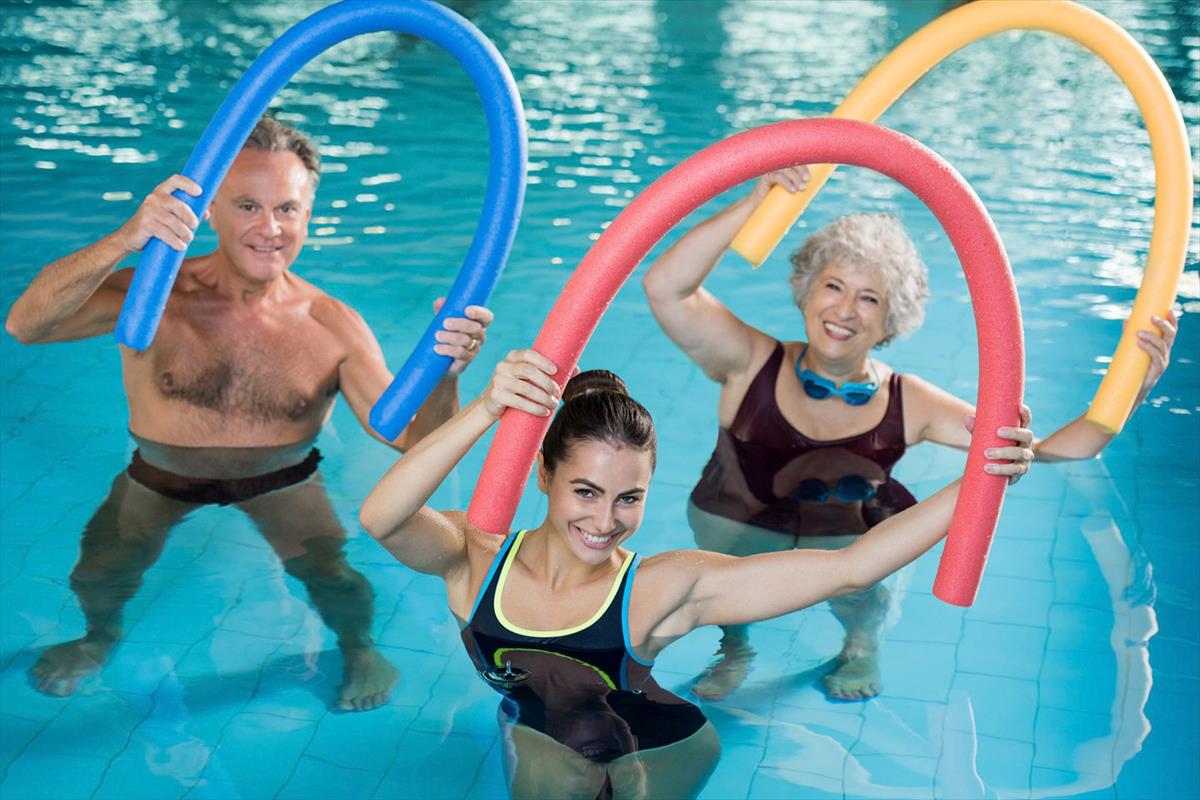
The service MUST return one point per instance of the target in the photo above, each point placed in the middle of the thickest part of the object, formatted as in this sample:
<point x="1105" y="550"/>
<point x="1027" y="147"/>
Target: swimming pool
<point x="1075" y="673"/>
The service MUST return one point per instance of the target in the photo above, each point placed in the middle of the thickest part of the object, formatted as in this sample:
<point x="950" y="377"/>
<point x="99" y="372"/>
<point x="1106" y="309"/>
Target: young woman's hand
<point x="1018" y="456"/>
<point x="523" y="381"/>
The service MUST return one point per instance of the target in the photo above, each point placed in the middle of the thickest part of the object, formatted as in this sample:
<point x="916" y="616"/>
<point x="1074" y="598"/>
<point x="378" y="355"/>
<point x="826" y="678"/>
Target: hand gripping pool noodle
<point x="724" y="165"/>
<point x="1168" y="141"/>
<point x="231" y="125"/>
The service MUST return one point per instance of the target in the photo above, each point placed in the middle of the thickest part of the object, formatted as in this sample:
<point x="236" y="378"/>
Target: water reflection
<point x="85" y="84"/>
<point x="282" y="492"/>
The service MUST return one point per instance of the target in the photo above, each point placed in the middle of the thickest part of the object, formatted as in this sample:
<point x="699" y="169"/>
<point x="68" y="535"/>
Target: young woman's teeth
<point x="591" y="539"/>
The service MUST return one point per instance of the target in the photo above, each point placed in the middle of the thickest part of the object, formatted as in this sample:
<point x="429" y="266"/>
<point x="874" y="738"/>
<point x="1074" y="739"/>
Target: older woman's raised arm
<point x="691" y="316"/>
<point x="1079" y="438"/>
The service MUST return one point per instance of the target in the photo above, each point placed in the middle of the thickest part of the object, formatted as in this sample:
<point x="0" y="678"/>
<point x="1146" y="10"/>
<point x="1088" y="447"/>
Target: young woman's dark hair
<point x="597" y="407"/>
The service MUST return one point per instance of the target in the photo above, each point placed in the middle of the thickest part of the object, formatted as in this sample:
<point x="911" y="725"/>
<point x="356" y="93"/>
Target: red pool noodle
<point x="724" y="165"/>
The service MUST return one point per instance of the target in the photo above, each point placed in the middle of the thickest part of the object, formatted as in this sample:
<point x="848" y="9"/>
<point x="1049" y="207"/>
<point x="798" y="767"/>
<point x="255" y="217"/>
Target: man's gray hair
<point x="273" y="136"/>
<point x="869" y="241"/>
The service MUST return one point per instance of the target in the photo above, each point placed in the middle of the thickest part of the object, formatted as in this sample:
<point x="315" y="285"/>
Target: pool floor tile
<point x="1004" y="765"/>
<point x="898" y="727"/>
<point x="783" y="784"/>
<point x="734" y="773"/>
<point x="360" y="742"/>
<point x="412" y="772"/>
<point x="1064" y="739"/>
<point x="315" y="778"/>
<point x="31" y="778"/>
<point x="1002" y="649"/>
<point x="869" y="775"/>
<point x="932" y="681"/>
<point x="1073" y="785"/>
<point x="239" y="754"/>
<point x="1003" y="707"/>
<point x="811" y="741"/>
<point x="1162" y="772"/>
<point x="1079" y="681"/>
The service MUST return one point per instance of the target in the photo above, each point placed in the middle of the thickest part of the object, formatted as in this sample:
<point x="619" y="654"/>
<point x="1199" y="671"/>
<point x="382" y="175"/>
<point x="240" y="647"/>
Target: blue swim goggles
<point x="818" y="388"/>
<point x="850" y="489"/>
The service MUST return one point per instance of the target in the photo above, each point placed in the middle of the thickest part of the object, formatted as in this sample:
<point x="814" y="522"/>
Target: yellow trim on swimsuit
<point x="503" y="651"/>
<point x="512" y="554"/>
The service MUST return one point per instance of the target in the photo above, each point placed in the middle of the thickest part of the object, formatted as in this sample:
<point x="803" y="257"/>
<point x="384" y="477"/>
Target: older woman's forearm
<point x="1077" y="440"/>
<point x="680" y="271"/>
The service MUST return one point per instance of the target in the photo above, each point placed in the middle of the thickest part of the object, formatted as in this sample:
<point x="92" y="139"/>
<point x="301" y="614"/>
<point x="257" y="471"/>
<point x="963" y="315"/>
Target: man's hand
<point x="462" y="337"/>
<point x="163" y="216"/>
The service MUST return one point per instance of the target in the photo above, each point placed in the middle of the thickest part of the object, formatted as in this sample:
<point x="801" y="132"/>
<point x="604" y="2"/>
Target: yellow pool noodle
<point x="928" y="47"/>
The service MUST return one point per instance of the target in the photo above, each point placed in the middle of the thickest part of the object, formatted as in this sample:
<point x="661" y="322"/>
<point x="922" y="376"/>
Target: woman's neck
<point x="544" y="553"/>
<point x="853" y="368"/>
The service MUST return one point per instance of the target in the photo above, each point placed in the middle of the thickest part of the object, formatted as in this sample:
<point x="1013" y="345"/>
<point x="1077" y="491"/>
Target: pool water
<point x="1075" y="673"/>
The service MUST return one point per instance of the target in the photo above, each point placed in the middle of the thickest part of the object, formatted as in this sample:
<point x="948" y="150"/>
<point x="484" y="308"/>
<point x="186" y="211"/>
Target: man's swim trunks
<point x="219" y="491"/>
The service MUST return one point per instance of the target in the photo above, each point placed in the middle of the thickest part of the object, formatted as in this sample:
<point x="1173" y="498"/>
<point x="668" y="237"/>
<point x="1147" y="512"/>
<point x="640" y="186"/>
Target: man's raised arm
<point x="363" y="375"/>
<point x="78" y="296"/>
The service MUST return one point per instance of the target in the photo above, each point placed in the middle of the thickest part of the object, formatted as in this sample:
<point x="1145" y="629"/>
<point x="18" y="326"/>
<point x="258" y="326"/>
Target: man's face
<point x="261" y="213"/>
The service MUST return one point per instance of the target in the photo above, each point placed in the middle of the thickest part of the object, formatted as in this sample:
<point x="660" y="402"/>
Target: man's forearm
<point x="62" y="287"/>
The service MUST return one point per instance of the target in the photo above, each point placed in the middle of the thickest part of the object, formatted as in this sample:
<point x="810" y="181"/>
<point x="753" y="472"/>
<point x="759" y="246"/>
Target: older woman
<point x="859" y="283"/>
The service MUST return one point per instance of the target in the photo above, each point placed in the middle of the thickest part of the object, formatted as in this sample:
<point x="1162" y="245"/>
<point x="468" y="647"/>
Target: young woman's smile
<point x="596" y="496"/>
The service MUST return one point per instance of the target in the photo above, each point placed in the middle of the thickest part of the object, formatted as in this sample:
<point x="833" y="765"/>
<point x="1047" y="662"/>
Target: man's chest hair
<point x="246" y="380"/>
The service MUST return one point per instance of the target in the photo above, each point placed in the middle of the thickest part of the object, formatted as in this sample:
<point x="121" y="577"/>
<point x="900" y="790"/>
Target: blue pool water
<point x="1076" y="672"/>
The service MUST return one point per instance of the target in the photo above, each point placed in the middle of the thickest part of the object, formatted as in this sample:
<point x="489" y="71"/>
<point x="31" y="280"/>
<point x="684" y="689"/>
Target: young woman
<point x="858" y="283"/>
<point x="571" y="584"/>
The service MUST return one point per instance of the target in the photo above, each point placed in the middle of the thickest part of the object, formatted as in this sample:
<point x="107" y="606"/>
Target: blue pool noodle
<point x="246" y="103"/>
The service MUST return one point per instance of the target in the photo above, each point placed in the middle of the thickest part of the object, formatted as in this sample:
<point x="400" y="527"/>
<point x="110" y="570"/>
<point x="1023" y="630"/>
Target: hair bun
<point x="593" y="381"/>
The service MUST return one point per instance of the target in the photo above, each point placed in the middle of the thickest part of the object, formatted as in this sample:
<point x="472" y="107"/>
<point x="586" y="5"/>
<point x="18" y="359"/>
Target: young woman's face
<point x="596" y="496"/>
<point x="845" y="311"/>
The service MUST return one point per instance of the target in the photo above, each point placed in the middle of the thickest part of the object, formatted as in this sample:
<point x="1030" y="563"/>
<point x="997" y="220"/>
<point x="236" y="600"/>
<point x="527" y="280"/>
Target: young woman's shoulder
<point x="673" y="574"/>
<point x="478" y="542"/>
<point x="664" y="593"/>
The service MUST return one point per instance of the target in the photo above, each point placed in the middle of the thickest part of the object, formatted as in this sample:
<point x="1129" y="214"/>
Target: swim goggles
<point x="850" y="489"/>
<point x="819" y="388"/>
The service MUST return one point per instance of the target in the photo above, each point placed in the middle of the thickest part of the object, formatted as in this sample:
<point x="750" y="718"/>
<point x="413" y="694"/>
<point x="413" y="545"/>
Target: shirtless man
<point x="226" y="403"/>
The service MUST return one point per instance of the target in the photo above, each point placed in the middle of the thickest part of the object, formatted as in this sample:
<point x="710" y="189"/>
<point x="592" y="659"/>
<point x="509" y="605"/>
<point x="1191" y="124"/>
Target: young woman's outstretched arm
<point x="395" y="512"/>
<point x="690" y="589"/>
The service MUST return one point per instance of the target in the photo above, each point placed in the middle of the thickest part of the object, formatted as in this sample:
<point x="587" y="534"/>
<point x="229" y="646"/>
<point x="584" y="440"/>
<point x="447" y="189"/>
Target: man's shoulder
<point x="338" y="317"/>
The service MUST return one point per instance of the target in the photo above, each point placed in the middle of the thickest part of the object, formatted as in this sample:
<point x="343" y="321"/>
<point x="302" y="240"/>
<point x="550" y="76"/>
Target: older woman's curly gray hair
<point x="869" y="241"/>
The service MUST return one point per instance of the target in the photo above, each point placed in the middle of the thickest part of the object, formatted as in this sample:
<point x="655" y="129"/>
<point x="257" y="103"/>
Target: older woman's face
<point x="845" y="310"/>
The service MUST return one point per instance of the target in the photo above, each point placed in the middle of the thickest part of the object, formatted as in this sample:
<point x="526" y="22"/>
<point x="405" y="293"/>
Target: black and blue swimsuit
<point x="584" y="686"/>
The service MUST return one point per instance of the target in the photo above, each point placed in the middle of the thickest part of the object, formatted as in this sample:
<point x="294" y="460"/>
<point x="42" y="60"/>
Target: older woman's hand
<point x="1016" y="458"/>
<point x="793" y="179"/>
<point x="1159" y="350"/>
